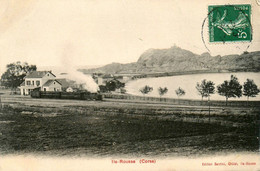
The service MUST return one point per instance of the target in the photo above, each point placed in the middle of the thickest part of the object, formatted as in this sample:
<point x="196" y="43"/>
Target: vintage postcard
<point x="129" y="85"/>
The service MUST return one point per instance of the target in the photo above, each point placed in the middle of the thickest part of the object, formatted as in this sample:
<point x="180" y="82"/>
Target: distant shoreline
<point x="166" y="74"/>
<point x="188" y="81"/>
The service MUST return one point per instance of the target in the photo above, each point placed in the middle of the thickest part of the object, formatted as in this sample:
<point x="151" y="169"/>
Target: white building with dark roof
<point x="52" y="85"/>
<point x="45" y="80"/>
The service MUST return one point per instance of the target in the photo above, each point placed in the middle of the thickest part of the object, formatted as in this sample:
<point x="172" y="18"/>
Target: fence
<point x="66" y="95"/>
<point x="184" y="101"/>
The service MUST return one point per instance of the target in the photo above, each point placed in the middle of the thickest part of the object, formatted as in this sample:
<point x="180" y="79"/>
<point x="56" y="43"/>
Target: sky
<point x="96" y="32"/>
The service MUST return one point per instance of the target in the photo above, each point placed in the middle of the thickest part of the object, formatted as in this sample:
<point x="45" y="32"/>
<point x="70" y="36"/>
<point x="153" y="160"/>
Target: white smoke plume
<point x="71" y="72"/>
<point x="85" y="80"/>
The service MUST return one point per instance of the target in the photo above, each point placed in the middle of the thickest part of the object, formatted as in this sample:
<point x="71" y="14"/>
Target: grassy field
<point x="122" y="128"/>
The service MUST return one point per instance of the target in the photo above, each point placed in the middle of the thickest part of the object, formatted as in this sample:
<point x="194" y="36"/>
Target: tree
<point x="231" y="88"/>
<point x="180" y="92"/>
<point x="15" y="73"/>
<point x="111" y="85"/>
<point x="114" y="84"/>
<point x="250" y="89"/>
<point x="146" y="89"/>
<point x="205" y="88"/>
<point x="162" y="91"/>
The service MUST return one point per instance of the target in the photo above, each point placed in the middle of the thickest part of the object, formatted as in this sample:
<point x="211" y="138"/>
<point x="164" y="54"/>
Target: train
<point x="81" y="95"/>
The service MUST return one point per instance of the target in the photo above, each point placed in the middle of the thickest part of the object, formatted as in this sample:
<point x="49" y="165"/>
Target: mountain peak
<point x="163" y="56"/>
<point x="176" y="59"/>
<point x="205" y="54"/>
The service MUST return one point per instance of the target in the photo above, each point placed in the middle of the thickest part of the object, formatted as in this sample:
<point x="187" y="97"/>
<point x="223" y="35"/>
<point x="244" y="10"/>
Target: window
<point x="44" y="89"/>
<point x="54" y="89"/>
<point x="28" y="82"/>
<point x="38" y="83"/>
<point x="32" y="82"/>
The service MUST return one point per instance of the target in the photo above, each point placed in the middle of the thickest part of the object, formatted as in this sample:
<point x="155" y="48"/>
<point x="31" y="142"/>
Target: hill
<point x="176" y="59"/>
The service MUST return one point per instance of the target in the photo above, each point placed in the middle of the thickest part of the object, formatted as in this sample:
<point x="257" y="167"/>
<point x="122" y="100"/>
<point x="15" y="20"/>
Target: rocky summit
<point x="176" y="59"/>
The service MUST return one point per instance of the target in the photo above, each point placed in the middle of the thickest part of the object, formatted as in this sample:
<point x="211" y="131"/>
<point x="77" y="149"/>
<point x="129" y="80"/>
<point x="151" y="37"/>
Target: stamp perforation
<point x="205" y="33"/>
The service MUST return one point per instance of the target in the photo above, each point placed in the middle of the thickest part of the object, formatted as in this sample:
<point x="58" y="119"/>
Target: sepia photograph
<point x="129" y="85"/>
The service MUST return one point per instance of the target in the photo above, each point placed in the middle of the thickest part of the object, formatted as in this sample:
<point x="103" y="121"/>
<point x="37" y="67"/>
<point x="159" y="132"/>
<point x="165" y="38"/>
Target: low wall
<point x="184" y="101"/>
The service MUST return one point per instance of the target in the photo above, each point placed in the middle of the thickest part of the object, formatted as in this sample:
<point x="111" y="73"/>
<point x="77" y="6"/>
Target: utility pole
<point x="209" y="107"/>
<point x="209" y="104"/>
<point x="0" y="102"/>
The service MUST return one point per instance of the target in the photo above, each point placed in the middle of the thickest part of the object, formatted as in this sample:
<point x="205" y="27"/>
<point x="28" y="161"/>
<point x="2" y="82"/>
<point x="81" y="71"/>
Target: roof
<point x="38" y="74"/>
<point x="63" y="82"/>
<point x="114" y="80"/>
<point x="107" y="76"/>
<point x="23" y="83"/>
<point x="49" y="82"/>
<point x="66" y="83"/>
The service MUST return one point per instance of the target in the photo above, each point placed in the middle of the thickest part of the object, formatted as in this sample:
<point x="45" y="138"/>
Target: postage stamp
<point x="229" y="23"/>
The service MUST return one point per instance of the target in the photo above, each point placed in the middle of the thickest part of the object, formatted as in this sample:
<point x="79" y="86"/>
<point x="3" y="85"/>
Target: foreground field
<point x="122" y="128"/>
<point x="101" y="135"/>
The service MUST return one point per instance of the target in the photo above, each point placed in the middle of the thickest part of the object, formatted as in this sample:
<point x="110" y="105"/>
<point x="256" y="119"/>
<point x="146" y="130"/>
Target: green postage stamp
<point x="229" y="23"/>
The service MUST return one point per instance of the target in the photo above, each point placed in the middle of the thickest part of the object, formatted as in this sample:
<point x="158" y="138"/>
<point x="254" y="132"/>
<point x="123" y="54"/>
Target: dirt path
<point x="27" y="100"/>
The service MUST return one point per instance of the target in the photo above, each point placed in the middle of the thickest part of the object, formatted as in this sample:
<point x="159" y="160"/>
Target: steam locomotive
<point x="80" y="95"/>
